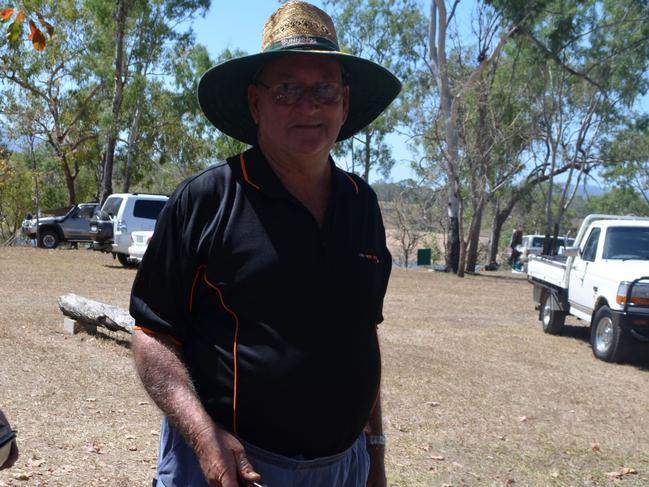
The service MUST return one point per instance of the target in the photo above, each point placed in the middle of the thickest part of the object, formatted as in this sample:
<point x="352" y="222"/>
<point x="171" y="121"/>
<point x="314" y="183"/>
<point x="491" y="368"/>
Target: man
<point x="258" y="298"/>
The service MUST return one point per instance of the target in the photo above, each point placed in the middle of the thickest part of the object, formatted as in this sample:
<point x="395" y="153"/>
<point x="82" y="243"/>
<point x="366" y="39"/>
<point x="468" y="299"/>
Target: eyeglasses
<point x="287" y="94"/>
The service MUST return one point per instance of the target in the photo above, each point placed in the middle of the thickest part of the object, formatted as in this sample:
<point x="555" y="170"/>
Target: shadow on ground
<point x="500" y="276"/>
<point x="638" y="356"/>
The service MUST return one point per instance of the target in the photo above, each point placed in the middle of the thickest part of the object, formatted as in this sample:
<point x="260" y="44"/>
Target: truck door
<point x="580" y="289"/>
<point x="76" y="226"/>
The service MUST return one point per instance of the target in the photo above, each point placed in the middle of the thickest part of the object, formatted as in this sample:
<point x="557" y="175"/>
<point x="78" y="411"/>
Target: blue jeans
<point x="178" y="465"/>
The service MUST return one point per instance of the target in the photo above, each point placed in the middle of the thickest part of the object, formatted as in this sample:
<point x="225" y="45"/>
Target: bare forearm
<point x="221" y="456"/>
<point x="375" y="422"/>
<point x="166" y="379"/>
<point x="375" y="442"/>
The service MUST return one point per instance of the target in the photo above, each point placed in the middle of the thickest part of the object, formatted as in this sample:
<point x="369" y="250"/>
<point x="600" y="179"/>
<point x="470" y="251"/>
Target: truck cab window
<point x="591" y="245"/>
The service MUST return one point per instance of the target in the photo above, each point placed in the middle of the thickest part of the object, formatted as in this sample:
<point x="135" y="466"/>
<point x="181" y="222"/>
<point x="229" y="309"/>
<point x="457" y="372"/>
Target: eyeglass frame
<point x="304" y="91"/>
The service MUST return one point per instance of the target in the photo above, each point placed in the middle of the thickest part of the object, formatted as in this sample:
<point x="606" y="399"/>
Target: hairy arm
<point x="376" y="452"/>
<point x="161" y="368"/>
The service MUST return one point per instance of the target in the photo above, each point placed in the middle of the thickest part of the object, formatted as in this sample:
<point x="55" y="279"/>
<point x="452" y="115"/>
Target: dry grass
<point x="476" y="397"/>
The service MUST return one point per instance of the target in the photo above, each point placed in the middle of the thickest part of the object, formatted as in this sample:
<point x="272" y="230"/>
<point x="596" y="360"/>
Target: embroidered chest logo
<point x="369" y="255"/>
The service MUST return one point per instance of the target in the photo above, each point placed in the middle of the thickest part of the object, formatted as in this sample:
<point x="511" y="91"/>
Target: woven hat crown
<point x="298" y="23"/>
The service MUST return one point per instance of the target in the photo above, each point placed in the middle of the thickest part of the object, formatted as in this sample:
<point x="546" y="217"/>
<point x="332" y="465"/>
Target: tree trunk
<point x="453" y="255"/>
<point x="132" y="145"/>
<point x="111" y="142"/>
<point x="479" y="175"/>
<point x="453" y="236"/>
<point x="69" y="181"/>
<point x="462" y="259"/>
<point x="368" y="155"/>
<point x="498" y="220"/>
<point x="474" y="236"/>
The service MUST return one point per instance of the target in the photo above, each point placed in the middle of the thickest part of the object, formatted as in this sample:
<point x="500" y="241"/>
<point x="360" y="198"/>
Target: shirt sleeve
<point x="161" y="293"/>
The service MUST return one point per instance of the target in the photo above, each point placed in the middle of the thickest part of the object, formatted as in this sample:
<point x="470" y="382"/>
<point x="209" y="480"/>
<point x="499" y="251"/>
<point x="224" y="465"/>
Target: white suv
<point x="125" y="213"/>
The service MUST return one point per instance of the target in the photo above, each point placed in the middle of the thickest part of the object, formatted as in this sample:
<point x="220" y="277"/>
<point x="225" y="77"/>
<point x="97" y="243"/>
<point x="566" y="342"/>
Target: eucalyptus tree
<point x="391" y="33"/>
<point x="143" y="33"/>
<point x="176" y="139"/>
<point x="52" y="93"/>
<point x="451" y="93"/>
<point x="593" y="64"/>
<point x="628" y="159"/>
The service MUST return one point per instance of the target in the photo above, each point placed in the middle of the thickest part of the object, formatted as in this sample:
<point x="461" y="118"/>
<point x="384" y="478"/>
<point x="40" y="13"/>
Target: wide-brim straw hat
<point x="294" y="28"/>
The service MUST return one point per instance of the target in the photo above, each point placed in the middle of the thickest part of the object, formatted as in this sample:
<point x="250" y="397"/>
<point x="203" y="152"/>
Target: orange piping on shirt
<point x="152" y="333"/>
<point x="234" y="353"/>
<point x="242" y="160"/>
<point x="191" y="294"/>
<point x="353" y="182"/>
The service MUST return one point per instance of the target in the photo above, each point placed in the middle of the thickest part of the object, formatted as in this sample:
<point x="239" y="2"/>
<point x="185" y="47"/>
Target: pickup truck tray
<point x="547" y="269"/>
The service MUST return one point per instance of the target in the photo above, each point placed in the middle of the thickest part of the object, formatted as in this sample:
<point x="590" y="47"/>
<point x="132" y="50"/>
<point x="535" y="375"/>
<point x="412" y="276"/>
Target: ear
<point x="345" y="103"/>
<point x="253" y="103"/>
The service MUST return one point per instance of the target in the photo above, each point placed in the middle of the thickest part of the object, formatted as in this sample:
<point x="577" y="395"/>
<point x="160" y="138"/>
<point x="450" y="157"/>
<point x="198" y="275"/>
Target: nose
<point x="308" y="101"/>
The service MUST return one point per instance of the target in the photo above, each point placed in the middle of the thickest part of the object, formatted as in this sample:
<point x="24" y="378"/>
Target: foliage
<point x="619" y="201"/>
<point x="14" y="202"/>
<point x="48" y="95"/>
<point x="15" y="28"/>
<point x="628" y="156"/>
<point x="392" y="34"/>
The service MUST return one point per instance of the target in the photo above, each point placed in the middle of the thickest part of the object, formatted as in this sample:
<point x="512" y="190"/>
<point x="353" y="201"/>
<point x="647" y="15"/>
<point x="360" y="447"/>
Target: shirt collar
<point x="257" y="173"/>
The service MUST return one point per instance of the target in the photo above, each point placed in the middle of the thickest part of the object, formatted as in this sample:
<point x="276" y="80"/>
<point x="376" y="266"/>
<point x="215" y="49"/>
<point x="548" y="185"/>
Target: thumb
<point x="245" y="468"/>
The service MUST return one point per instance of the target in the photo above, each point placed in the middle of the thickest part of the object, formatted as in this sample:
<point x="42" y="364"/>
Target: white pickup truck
<point x="603" y="279"/>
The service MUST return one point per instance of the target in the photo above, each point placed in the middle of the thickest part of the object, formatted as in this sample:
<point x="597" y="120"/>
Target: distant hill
<point x="389" y="191"/>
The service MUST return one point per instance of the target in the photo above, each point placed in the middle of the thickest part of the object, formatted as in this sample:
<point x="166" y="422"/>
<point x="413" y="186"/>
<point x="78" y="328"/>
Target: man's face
<point x="306" y="125"/>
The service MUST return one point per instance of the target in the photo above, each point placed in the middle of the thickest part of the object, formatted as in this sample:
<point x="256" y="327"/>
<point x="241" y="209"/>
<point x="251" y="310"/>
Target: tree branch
<point x="558" y="60"/>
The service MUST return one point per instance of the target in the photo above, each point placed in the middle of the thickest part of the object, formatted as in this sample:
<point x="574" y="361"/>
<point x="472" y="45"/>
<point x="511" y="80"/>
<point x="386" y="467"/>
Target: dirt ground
<point x="474" y="394"/>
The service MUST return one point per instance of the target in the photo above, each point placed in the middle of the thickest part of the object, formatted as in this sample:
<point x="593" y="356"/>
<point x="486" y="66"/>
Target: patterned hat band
<point x="299" y="25"/>
<point x="302" y="42"/>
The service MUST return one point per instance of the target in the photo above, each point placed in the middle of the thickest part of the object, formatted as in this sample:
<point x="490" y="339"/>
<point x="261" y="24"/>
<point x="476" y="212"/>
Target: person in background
<point x="515" y="254"/>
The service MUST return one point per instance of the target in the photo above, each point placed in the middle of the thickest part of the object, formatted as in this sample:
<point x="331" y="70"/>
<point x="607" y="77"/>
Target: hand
<point x="223" y="459"/>
<point x="376" y="477"/>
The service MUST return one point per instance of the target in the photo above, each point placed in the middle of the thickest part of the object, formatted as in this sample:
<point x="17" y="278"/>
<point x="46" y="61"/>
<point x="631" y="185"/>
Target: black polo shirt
<point x="276" y="315"/>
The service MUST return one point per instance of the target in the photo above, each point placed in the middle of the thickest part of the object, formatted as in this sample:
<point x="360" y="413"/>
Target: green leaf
<point x="14" y="32"/>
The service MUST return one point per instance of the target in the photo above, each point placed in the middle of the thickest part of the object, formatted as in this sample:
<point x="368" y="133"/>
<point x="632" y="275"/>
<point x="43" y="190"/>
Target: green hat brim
<point x="223" y="92"/>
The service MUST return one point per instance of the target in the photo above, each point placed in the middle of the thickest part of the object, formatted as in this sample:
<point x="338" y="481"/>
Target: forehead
<point x="299" y="66"/>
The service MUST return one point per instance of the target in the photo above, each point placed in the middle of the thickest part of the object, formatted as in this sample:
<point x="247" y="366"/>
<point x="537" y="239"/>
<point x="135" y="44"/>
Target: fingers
<point x="227" y="478"/>
<point x="238" y="472"/>
<point x="225" y="464"/>
<point x="245" y="468"/>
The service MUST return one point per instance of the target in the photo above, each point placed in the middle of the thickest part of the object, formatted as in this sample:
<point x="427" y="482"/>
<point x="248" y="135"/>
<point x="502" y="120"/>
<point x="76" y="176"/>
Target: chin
<point x="311" y="147"/>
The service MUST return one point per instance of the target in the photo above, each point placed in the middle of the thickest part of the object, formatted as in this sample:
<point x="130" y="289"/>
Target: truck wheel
<point x="123" y="259"/>
<point x="609" y="342"/>
<point x="48" y="239"/>
<point x="552" y="319"/>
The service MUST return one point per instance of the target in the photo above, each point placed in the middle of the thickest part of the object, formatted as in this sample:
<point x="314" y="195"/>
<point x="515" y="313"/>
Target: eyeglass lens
<point x="292" y="93"/>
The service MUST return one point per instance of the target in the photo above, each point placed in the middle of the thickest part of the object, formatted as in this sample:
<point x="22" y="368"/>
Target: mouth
<point x="308" y="126"/>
